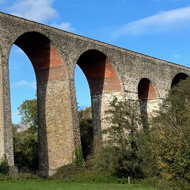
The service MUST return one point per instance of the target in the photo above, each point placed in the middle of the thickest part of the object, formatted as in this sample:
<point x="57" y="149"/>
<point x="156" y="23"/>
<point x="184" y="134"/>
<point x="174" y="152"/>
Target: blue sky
<point x="159" y="28"/>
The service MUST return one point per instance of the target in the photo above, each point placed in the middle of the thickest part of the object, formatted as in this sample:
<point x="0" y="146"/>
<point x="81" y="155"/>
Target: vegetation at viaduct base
<point x="158" y="156"/>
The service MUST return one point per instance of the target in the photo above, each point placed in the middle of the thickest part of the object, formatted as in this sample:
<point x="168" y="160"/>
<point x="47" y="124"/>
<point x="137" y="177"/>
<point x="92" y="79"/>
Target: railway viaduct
<point x="110" y="71"/>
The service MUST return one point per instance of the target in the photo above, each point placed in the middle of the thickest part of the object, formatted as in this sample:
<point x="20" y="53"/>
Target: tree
<point x="120" y="155"/>
<point x="28" y="110"/>
<point x="25" y="137"/>
<point x="170" y="139"/>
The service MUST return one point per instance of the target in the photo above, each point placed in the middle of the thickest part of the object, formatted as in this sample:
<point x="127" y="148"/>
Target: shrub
<point x="79" y="160"/>
<point x="119" y="156"/>
<point x="86" y="130"/>
<point x="19" y="177"/>
<point x="170" y="134"/>
<point x="4" y="166"/>
<point x="72" y="173"/>
<point x="66" y="172"/>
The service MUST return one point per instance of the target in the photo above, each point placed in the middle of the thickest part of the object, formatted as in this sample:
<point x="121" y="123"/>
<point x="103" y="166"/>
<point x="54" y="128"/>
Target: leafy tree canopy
<point x="170" y="139"/>
<point x="25" y="137"/>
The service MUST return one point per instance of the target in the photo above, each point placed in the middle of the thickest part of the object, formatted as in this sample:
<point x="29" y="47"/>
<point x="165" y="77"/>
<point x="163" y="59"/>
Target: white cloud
<point x="161" y="22"/>
<point x="40" y="11"/>
<point x="36" y="10"/>
<point x="64" y="26"/>
<point x="24" y="83"/>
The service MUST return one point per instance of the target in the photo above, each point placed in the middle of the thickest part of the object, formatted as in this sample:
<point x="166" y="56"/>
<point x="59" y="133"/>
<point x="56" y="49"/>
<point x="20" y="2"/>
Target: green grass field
<point x="52" y="185"/>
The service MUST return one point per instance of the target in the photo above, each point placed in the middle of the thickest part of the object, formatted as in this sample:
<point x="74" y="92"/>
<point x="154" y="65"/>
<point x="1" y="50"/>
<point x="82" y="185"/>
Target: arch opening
<point x="36" y="47"/>
<point x="103" y="83"/>
<point x="146" y="91"/>
<point x="84" y="111"/>
<point x="22" y="92"/>
<point x="178" y="78"/>
<point x="147" y="99"/>
<point x="50" y="73"/>
<point x="99" y="72"/>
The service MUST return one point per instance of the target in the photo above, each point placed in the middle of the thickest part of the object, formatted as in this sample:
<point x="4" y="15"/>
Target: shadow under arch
<point x="178" y="77"/>
<point x="48" y="66"/>
<point x="103" y="81"/>
<point x="146" y="93"/>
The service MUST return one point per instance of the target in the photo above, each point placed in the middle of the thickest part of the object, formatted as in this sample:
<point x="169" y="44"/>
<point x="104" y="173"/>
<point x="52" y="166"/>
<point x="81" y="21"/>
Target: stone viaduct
<point x="110" y="71"/>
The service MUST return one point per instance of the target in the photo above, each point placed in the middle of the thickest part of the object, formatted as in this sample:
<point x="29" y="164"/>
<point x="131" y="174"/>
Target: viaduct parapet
<point x="110" y="71"/>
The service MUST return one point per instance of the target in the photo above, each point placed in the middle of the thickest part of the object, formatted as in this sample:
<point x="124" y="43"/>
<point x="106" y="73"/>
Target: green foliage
<point x="4" y="166"/>
<point x="86" y="130"/>
<point x="67" y="172"/>
<point x="181" y="184"/>
<point x="149" y="167"/>
<point x="120" y="155"/>
<point x="28" y="110"/>
<point x="25" y="137"/>
<point x="148" y="181"/>
<point x="92" y="176"/>
<point x="124" y="120"/>
<point x="19" y="177"/>
<point x="79" y="160"/>
<point x="170" y="139"/>
<point x="73" y="173"/>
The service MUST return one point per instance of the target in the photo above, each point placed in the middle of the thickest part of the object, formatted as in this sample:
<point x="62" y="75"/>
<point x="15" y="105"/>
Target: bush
<point x="164" y="184"/>
<point x="93" y="176"/>
<point x="72" y="173"/>
<point x="4" y="166"/>
<point x="149" y="181"/>
<point x="25" y="177"/>
<point x="66" y="172"/>
<point x="79" y="160"/>
<point x="119" y="156"/>
<point x="19" y="177"/>
<point x="170" y="134"/>
<point x="86" y="130"/>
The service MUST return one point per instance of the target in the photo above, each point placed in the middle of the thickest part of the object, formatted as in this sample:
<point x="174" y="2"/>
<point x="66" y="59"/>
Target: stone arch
<point x="103" y="82"/>
<point x="178" y="77"/>
<point x="40" y="50"/>
<point x="148" y="101"/>
<point x="52" y="84"/>
<point x="99" y="72"/>
<point x="146" y="90"/>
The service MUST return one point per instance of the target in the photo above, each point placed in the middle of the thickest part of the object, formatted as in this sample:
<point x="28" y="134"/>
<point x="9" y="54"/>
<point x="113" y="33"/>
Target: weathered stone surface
<point x="110" y="71"/>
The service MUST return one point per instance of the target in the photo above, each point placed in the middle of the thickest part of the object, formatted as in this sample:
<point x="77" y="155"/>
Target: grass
<point x="57" y="185"/>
